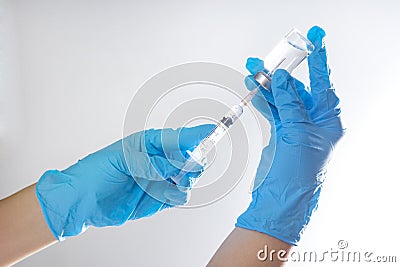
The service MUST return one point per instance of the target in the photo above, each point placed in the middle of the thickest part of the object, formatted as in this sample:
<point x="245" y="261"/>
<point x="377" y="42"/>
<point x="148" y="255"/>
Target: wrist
<point x="60" y="203"/>
<point x="23" y="230"/>
<point x="282" y="213"/>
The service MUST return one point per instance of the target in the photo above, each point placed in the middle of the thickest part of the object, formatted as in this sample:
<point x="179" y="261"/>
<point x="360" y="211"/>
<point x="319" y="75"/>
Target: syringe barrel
<point x="199" y="154"/>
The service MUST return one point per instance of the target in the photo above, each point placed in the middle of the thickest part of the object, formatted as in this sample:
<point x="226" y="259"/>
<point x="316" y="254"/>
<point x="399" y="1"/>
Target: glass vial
<point x="287" y="55"/>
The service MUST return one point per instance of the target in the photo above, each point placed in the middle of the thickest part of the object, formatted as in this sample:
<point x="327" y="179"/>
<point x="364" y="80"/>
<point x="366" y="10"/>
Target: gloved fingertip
<point x="190" y="137"/>
<point x="161" y="168"/>
<point x="199" y="130"/>
<point x="280" y="76"/>
<point x="204" y="130"/>
<point x="196" y="175"/>
<point x="316" y="35"/>
<point x="304" y="94"/>
<point x="254" y="65"/>
<point x="178" y="196"/>
<point x="250" y="83"/>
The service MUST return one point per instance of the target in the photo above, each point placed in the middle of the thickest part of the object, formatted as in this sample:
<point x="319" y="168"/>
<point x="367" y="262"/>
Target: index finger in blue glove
<point x="155" y="196"/>
<point x="262" y="101"/>
<point x="177" y="197"/>
<point x="152" y="167"/>
<point x="254" y="65"/>
<point x="178" y="160"/>
<point x="290" y="106"/>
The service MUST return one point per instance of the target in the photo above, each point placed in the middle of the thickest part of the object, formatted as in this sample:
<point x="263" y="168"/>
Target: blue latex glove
<point x="127" y="180"/>
<point x="306" y="127"/>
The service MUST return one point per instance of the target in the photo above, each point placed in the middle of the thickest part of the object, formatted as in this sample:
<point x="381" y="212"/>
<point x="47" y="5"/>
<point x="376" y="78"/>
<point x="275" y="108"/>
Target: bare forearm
<point x="243" y="248"/>
<point x="23" y="229"/>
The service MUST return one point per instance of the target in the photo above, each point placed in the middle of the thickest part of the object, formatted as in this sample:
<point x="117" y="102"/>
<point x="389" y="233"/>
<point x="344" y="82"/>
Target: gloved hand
<point x="127" y="180"/>
<point x="306" y="129"/>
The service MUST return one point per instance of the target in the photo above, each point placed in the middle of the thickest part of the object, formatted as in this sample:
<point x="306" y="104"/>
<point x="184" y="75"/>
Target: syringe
<point x="288" y="54"/>
<point x="198" y="155"/>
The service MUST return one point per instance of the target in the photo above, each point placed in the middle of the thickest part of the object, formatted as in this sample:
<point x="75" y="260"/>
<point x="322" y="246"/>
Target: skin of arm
<point x="23" y="229"/>
<point x="244" y="248"/>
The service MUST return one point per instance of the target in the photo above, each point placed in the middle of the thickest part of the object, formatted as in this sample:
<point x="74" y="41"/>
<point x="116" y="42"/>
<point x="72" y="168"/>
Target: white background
<point x="70" y="68"/>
